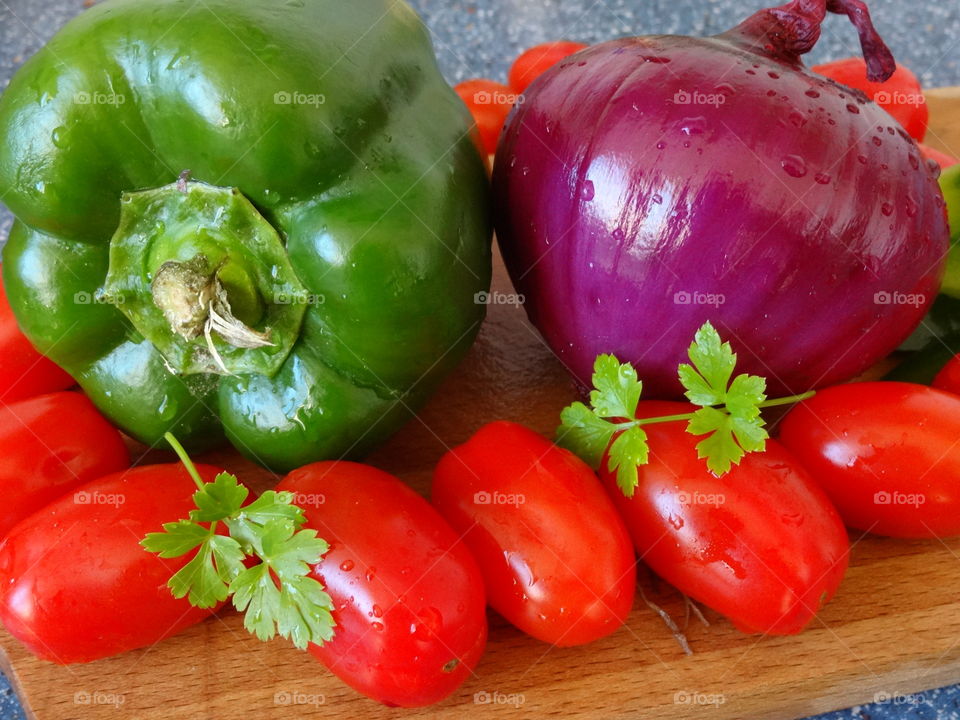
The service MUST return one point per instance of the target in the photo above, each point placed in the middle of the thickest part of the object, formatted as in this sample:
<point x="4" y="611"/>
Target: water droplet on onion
<point x="794" y="165"/>
<point x="911" y="207"/>
<point x="693" y="125"/>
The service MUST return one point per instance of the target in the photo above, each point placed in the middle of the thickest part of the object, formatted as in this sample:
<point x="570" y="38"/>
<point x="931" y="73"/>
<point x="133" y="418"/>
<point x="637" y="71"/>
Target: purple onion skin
<point x="795" y="215"/>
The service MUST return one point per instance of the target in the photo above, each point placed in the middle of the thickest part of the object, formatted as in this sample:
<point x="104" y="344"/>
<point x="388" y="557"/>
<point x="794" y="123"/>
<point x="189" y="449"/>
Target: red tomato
<point x="489" y="102"/>
<point x="760" y="544"/>
<point x="886" y="453"/>
<point x="408" y="598"/>
<point x="901" y="95"/>
<point x="949" y="376"/>
<point x="49" y="445"/>
<point x="941" y="158"/>
<point x="556" y="558"/>
<point x="532" y="63"/>
<point x="75" y="584"/>
<point x="23" y="371"/>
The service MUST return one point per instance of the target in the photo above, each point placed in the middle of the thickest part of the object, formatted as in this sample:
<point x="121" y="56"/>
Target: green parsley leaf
<point x="309" y="619"/>
<point x="728" y="417"/>
<point x="718" y="448"/>
<point x="219" y="499"/>
<point x="247" y="524"/>
<point x="584" y="434"/>
<point x="734" y="428"/>
<point x="713" y="359"/>
<point x="627" y="452"/>
<point x="745" y="395"/>
<point x="277" y="594"/>
<point x="178" y="538"/>
<point x="201" y="580"/>
<point x="617" y="388"/>
<point x="287" y="556"/>
<point x="205" y="578"/>
<point x="293" y="605"/>
<point x="254" y="590"/>
<point x="587" y="431"/>
<point x="698" y="390"/>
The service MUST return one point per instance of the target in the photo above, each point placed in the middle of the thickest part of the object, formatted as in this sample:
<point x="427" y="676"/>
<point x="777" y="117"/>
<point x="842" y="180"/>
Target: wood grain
<point x="893" y="628"/>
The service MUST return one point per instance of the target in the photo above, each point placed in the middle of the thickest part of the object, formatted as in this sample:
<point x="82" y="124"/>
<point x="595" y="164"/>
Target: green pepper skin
<point x="333" y="120"/>
<point x="950" y="184"/>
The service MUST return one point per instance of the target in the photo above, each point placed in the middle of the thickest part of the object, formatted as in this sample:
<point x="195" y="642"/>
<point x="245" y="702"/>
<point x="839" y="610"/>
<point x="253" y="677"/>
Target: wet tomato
<point x="75" y="583"/>
<point x="760" y="544"/>
<point x="408" y="599"/>
<point x="886" y="453"/>
<point x="556" y="558"/>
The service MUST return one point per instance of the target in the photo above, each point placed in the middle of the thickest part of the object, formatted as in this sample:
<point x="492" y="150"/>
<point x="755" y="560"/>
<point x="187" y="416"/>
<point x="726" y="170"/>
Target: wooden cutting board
<point x="893" y="628"/>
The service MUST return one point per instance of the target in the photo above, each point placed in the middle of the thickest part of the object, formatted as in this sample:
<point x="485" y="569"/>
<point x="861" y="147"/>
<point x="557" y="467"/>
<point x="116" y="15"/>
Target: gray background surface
<point x="479" y="39"/>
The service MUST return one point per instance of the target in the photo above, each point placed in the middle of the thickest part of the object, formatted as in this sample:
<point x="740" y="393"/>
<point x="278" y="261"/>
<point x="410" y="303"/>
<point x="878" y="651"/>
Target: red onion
<point x="649" y="184"/>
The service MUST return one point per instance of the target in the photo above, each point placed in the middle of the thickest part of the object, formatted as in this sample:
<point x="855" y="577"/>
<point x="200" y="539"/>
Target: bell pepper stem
<point x="203" y="276"/>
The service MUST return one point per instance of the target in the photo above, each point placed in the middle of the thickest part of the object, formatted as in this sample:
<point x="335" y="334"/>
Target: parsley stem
<point x="787" y="400"/>
<point x="661" y="419"/>
<point x="688" y="416"/>
<point x="184" y="458"/>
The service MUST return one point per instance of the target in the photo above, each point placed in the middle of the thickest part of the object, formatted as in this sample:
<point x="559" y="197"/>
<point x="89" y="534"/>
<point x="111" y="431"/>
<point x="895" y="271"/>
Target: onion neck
<point x="788" y="32"/>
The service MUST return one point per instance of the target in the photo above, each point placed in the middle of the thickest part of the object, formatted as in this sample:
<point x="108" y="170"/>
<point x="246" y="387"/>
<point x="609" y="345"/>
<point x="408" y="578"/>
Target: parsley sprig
<point x="277" y="594"/>
<point x="728" y="417"/>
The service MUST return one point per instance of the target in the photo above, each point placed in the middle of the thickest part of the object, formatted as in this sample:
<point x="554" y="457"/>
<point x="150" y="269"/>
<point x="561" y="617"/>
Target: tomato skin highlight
<point x="49" y="445"/>
<point x="886" y="453"/>
<point x="75" y="584"/>
<point x="23" y="371"/>
<point x="761" y="544"/>
<point x="901" y="95"/>
<point x="490" y="103"/>
<point x="556" y="558"/>
<point x="408" y="598"/>
<point x="535" y="61"/>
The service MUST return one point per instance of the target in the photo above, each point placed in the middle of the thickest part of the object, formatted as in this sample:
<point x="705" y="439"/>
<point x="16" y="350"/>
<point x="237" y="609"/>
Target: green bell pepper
<point x="950" y="184"/>
<point x="265" y="220"/>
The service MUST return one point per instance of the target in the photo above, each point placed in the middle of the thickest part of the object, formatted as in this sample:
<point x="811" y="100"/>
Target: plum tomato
<point x="408" y="599"/>
<point x="489" y="102"/>
<point x="886" y="453"/>
<point x="949" y="376"/>
<point x="535" y="61"/>
<point x="555" y="556"/>
<point x="50" y="444"/>
<point x="760" y="544"/>
<point x="75" y="583"/>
